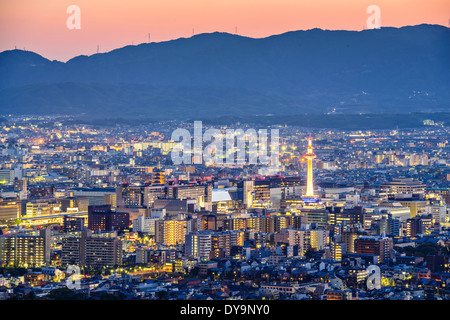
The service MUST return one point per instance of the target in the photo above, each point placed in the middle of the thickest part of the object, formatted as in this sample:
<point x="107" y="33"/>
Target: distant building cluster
<point x="109" y="201"/>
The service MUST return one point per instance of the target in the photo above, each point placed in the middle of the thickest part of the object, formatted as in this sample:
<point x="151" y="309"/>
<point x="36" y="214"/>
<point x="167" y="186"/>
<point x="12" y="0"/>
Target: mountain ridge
<point x="295" y="72"/>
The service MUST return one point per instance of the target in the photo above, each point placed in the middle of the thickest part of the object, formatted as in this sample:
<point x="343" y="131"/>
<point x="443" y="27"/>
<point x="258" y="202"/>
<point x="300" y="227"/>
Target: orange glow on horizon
<point x="40" y="26"/>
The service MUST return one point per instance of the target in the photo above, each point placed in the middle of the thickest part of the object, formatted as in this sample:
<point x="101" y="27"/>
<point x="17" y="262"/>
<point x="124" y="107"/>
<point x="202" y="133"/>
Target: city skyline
<point x="213" y="157"/>
<point x="95" y="212"/>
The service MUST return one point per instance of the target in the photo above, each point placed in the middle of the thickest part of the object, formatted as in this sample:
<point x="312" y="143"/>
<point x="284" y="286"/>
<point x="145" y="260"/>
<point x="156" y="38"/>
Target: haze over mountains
<point x="387" y="70"/>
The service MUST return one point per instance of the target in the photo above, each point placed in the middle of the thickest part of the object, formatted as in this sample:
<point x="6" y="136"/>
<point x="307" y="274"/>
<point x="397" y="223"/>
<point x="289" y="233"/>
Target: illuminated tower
<point x="309" y="156"/>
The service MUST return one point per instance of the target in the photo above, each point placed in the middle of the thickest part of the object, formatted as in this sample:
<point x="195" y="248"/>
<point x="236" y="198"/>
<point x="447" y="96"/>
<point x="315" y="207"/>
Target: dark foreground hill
<point x="389" y="70"/>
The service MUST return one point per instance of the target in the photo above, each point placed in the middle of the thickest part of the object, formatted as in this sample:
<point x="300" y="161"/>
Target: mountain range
<point x="386" y="70"/>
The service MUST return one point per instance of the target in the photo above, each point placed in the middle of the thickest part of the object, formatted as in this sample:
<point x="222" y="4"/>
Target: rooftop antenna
<point x="235" y="30"/>
<point x="149" y="37"/>
<point x="193" y="31"/>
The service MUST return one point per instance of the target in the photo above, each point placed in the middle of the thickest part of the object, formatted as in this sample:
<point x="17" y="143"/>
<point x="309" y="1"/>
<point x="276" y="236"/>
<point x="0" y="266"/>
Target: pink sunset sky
<point x="40" y="25"/>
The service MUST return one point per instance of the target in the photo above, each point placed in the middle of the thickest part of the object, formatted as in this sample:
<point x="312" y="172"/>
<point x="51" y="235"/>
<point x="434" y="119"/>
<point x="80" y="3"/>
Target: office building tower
<point x="198" y="244"/>
<point x="139" y="196"/>
<point x="222" y="243"/>
<point x="73" y="223"/>
<point x="349" y="235"/>
<point x="418" y="225"/>
<point x="25" y="250"/>
<point x="202" y="194"/>
<point x="102" y="218"/>
<point x="437" y="262"/>
<point x="402" y="186"/>
<point x="92" y="249"/>
<point x="306" y="239"/>
<point x="378" y="246"/>
<point x="345" y="216"/>
<point x="316" y="216"/>
<point x="245" y="193"/>
<point x="74" y="204"/>
<point x="145" y="225"/>
<point x="10" y="209"/>
<point x="20" y="184"/>
<point x="171" y="232"/>
<point x="386" y="226"/>
<point x="338" y="248"/>
<point x="6" y="176"/>
<point x="96" y="196"/>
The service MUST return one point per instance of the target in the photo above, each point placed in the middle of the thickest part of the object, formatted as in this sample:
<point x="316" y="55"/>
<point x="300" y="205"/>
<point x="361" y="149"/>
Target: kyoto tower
<point x="309" y="156"/>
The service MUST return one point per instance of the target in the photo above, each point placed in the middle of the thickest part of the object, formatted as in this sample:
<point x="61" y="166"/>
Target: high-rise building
<point x="349" y="235"/>
<point x="138" y="196"/>
<point x="22" y="250"/>
<point x="438" y="211"/>
<point x="96" y="196"/>
<point x="198" y="244"/>
<point x="171" y="232"/>
<point x="316" y="239"/>
<point x="130" y="196"/>
<point x="261" y="194"/>
<point x="102" y="218"/>
<point x="281" y="222"/>
<point x="89" y="249"/>
<point x="402" y="186"/>
<point x="316" y="216"/>
<point x="73" y="223"/>
<point x="298" y="221"/>
<point x="346" y="216"/>
<point x="6" y="175"/>
<point x="378" y="246"/>
<point x="201" y="193"/>
<point x="38" y="208"/>
<point x="389" y="226"/>
<point x="74" y="204"/>
<point x="72" y="252"/>
<point x="20" y="184"/>
<point x="418" y="225"/>
<point x="236" y="224"/>
<point x="222" y="243"/>
<point x="337" y="248"/>
<point x="102" y="252"/>
<point x="245" y="193"/>
<point x="438" y="262"/>
<point x="10" y="209"/>
<point x="40" y="192"/>
<point x="109" y="198"/>
<point x="146" y="225"/>
<point x="208" y="244"/>
<point x="25" y="250"/>
<point x="212" y="221"/>
<point x="263" y="224"/>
